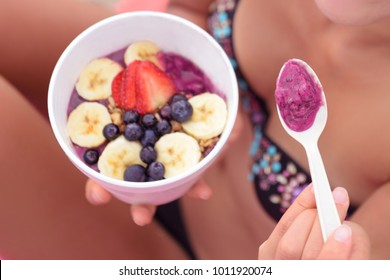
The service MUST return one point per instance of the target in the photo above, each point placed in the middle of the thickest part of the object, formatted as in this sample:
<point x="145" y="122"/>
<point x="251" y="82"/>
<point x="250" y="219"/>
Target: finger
<point x="201" y="190"/>
<point x="142" y="214"/>
<point x="303" y="202"/>
<point x="361" y="247"/>
<point x="264" y="253"/>
<point x="315" y="241"/>
<point x="292" y="244"/>
<point x="349" y="241"/>
<point x="95" y="194"/>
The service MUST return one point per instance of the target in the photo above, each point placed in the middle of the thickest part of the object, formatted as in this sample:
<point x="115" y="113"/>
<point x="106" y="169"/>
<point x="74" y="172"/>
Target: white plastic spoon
<point x="303" y="113"/>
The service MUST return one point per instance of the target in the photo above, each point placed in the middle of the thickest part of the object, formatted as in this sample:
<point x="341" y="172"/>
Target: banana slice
<point x="142" y="50"/>
<point x="177" y="152"/>
<point x="118" y="155"/>
<point x="86" y="122"/>
<point x="209" y="116"/>
<point x="95" y="80"/>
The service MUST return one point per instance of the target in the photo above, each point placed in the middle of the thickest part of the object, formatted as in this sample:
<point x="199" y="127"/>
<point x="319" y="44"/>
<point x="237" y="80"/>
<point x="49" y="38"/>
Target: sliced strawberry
<point x="116" y="88"/>
<point x="123" y="87"/>
<point x="128" y="96"/>
<point x="142" y="86"/>
<point x="153" y="87"/>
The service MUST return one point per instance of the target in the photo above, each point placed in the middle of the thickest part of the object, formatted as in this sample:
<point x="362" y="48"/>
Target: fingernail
<point x="204" y="194"/>
<point x="141" y="216"/>
<point x="342" y="234"/>
<point x="340" y="195"/>
<point x="139" y="220"/>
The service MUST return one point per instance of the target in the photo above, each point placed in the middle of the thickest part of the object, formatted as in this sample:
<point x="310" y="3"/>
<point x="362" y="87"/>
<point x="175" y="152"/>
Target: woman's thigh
<point x="43" y="213"/>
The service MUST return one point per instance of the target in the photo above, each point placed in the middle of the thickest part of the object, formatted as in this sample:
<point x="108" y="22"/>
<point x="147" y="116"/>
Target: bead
<point x="263" y="163"/>
<point x="222" y="16"/>
<point x="255" y="168"/>
<point x="272" y="178"/>
<point x="291" y="168"/>
<point x="301" y="178"/>
<point x="281" y="179"/>
<point x="285" y="204"/>
<point x="264" y="185"/>
<point x="286" y="196"/>
<point x="277" y="157"/>
<point x="276" y="167"/>
<point x="294" y="183"/>
<point x="271" y="150"/>
<point x="275" y="199"/>
<point x="267" y="157"/>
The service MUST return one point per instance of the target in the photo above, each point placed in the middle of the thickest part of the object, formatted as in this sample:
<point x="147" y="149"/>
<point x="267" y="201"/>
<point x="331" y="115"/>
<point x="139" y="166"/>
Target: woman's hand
<point x="141" y="214"/>
<point x="298" y="234"/>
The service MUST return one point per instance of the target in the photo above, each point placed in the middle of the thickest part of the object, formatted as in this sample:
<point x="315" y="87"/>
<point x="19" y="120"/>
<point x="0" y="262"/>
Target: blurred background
<point x="122" y="6"/>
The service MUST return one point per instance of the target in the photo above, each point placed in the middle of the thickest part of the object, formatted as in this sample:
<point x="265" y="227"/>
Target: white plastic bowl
<point x="171" y="33"/>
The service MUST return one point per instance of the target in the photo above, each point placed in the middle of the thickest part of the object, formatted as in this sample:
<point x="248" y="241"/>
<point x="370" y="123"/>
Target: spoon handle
<point x="326" y="207"/>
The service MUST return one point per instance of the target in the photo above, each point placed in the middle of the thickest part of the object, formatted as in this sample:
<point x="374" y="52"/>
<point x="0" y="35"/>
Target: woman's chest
<point x="354" y="144"/>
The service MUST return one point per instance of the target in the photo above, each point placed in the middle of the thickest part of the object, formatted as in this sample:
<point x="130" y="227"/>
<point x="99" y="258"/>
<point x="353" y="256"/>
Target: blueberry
<point x="135" y="173"/>
<point x="149" y="179"/>
<point x="111" y="131"/>
<point x="156" y="170"/>
<point x="163" y="127"/>
<point x="130" y="116"/>
<point x="148" y="154"/>
<point x="91" y="156"/>
<point x="133" y="132"/>
<point x="149" y="138"/>
<point x="181" y="111"/>
<point x="165" y="112"/>
<point x="148" y="120"/>
<point x="177" y="97"/>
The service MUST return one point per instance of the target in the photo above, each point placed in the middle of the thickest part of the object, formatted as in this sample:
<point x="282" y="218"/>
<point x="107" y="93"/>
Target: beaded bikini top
<point x="277" y="178"/>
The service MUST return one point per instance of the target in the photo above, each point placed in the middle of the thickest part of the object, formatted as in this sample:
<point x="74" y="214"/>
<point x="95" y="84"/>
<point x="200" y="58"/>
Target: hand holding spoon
<point x="303" y="113"/>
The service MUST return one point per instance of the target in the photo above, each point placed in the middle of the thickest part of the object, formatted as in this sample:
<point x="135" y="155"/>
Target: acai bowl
<point x="145" y="87"/>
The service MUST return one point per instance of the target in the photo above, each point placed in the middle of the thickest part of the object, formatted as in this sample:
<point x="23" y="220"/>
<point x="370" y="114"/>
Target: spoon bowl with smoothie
<point x="302" y="110"/>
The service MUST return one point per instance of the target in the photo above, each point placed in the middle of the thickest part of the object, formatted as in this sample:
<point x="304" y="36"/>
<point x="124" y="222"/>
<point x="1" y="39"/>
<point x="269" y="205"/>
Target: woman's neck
<point x="342" y="47"/>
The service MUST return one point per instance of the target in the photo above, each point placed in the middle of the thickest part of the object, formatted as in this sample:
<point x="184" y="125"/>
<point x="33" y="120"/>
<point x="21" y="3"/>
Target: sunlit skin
<point x="355" y="12"/>
<point x="346" y="42"/>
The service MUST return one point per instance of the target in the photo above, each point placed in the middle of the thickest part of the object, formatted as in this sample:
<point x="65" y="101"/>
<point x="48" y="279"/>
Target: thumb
<point x="338" y="246"/>
<point x="348" y="241"/>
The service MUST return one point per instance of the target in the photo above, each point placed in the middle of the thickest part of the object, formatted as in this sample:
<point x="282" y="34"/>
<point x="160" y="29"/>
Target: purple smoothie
<point x="298" y="96"/>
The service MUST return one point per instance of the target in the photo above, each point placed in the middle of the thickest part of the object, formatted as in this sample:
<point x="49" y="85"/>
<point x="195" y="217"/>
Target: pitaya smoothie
<point x="298" y="95"/>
